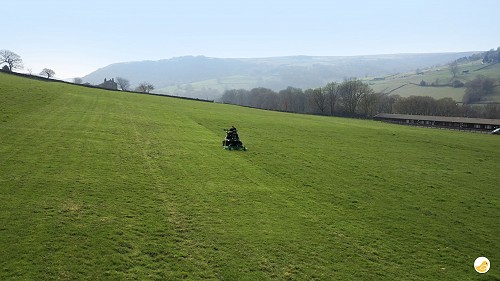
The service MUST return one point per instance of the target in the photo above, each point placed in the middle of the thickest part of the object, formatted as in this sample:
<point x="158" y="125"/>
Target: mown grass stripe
<point x="108" y="185"/>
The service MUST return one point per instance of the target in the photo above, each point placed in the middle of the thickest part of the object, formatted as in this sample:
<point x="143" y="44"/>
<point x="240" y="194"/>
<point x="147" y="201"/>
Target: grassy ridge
<point x="107" y="185"/>
<point x="443" y="76"/>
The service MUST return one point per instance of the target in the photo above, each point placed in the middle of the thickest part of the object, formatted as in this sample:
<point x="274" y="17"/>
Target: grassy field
<point x="441" y="76"/>
<point x="214" y="88"/>
<point x="209" y="89"/>
<point x="98" y="185"/>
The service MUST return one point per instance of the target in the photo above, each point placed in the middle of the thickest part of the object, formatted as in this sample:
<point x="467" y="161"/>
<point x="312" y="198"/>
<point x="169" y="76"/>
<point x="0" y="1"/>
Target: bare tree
<point x="235" y="96"/>
<point x="299" y="103"/>
<point x="49" y="72"/>
<point x="145" y="87"/>
<point x="492" y="111"/>
<point x="351" y="92"/>
<point x="12" y="59"/>
<point x="78" y="80"/>
<point x="123" y="83"/>
<point x="332" y="93"/>
<point x="454" y="68"/>
<point x="287" y="99"/>
<point x="447" y="107"/>
<point x="478" y="88"/>
<point x="263" y="98"/>
<point x="369" y="104"/>
<point x="230" y="96"/>
<point x="317" y="98"/>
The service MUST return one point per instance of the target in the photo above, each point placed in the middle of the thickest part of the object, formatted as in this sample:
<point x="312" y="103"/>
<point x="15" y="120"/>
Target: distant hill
<point x="208" y="77"/>
<point x="438" y="82"/>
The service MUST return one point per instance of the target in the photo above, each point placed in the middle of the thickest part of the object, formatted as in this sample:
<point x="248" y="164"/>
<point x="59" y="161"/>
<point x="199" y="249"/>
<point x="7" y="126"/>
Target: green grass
<point x="216" y="85"/>
<point x="414" y="90"/>
<point x="214" y="88"/>
<point x="99" y="185"/>
<point x="442" y="75"/>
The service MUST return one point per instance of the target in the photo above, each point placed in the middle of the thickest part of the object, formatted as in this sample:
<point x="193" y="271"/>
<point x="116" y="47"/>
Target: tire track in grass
<point x="299" y="200"/>
<point x="35" y="142"/>
<point x="274" y="207"/>
<point x="200" y="190"/>
<point x="29" y="125"/>
<point x="187" y="249"/>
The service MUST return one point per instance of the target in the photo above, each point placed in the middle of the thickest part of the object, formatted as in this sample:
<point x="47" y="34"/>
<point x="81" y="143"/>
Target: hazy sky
<point x="75" y="37"/>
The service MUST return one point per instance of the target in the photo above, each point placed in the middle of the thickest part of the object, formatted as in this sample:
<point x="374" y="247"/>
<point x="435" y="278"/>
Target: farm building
<point x="109" y="84"/>
<point x="460" y="123"/>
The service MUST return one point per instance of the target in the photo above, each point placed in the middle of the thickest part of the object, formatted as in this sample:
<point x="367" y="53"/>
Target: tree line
<point x="491" y="56"/>
<point x="13" y="61"/>
<point x="479" y="88"/>
<point x="354" y="98"/>
<point x="323" y="100"/>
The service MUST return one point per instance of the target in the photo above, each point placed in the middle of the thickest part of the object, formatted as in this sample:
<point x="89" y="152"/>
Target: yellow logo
<point x="482" y="265"/>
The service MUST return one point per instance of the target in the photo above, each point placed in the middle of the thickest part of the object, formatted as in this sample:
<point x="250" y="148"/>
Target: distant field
<point x="414" y="90"/>
<point x="99" y="185"/>
<point x="213" y="88"/>
<point x="441" y="76"/>
<point x="219" y="85"/>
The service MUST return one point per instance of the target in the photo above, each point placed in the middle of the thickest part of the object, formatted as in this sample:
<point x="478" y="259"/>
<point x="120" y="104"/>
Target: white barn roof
<point x="439" y="118"/>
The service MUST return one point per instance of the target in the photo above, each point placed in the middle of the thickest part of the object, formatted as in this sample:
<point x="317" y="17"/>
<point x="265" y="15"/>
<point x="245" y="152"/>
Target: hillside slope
<point x="408" y="84"/>
<point x="200" y="76"/>
<point x="107" y="185"/>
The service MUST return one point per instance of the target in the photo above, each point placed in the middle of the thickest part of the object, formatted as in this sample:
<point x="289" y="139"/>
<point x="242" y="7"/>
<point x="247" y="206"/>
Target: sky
<point x="76" y="37"/>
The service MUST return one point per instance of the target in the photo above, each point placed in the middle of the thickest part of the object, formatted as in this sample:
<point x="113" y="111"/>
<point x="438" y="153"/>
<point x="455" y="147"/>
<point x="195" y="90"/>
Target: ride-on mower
<point x="232" y="140"/>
